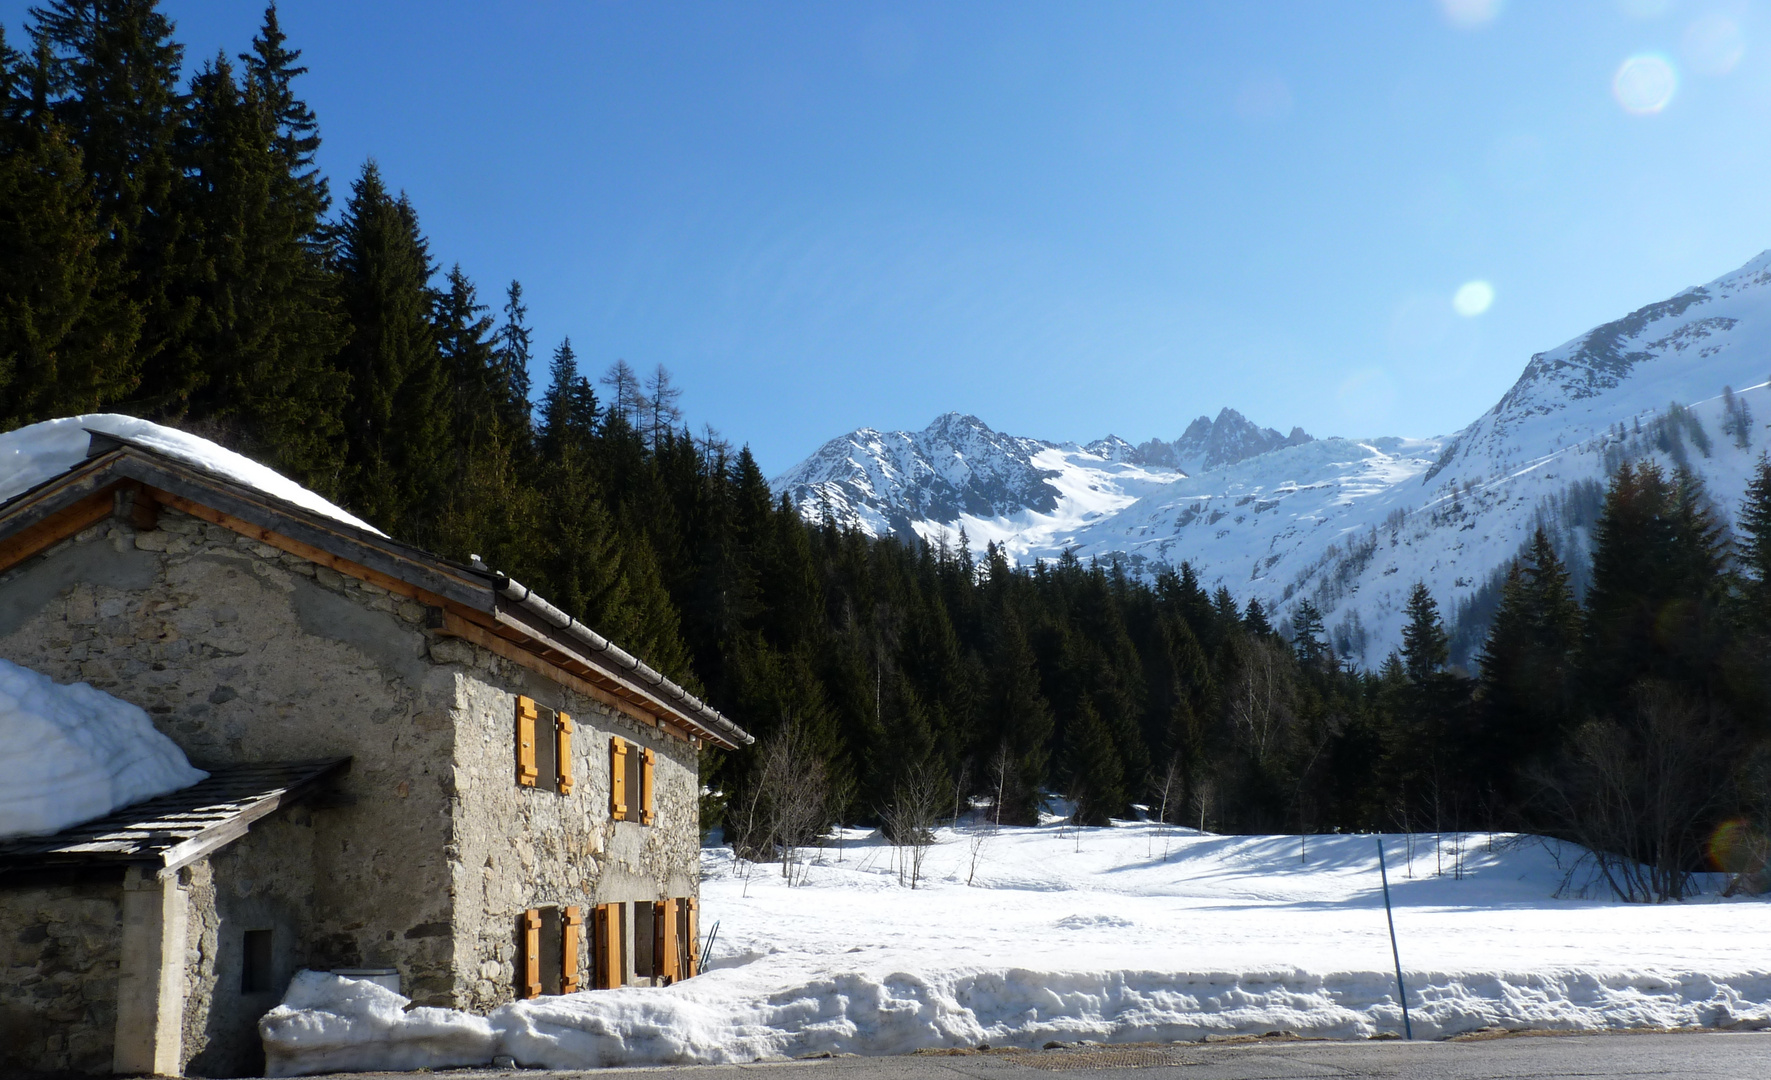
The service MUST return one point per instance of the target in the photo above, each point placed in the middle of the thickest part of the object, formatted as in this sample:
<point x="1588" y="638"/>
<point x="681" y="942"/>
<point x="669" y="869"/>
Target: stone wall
<point x="59" y="943"/>
<point x="428" y="851"/>
<point x="263" y="881"/>
<point x="519" y="848"/>
<point x="243" y="653"/>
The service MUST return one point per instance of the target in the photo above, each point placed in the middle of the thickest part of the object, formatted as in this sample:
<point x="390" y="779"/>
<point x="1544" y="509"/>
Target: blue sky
<point x="1069" y="219"/>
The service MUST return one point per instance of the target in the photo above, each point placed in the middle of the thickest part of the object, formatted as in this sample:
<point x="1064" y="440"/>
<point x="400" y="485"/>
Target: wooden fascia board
<point x="515" y="651"/>
<point x="54" y="511"/>
<point x="55" y="527"/>
<point x="220" y="835"/>
<point x="636" y="695"/>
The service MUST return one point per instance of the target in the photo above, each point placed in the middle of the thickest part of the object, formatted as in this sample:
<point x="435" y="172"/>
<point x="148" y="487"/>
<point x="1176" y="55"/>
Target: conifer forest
<point x="171" y="250"/>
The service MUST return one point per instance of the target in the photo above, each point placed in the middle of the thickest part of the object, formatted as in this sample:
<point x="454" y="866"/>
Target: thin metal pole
<point x="1401" y="991"/>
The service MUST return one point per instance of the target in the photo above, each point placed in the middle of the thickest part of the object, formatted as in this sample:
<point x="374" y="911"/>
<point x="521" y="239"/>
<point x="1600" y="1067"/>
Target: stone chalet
<point x="420" y="771"/>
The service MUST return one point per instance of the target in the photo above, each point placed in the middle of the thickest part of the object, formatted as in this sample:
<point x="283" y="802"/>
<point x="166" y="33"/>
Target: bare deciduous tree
<point x="1260" y="698"/>
<point x="794" y="788"/>
<point x="1638" y="789"/>
<point x="910" y="821"/>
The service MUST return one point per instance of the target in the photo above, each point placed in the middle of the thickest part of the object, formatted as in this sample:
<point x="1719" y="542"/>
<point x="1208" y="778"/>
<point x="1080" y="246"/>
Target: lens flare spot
<point x="1736" y="847"/>
<point x="1713" y="45"/>
<point x="1473" y="298"/>
<point x="1469" y="14"/>
<point x="1645" y="84"/>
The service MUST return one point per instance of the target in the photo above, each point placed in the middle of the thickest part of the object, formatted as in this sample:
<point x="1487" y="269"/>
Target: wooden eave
<point x="466" y="603"/>
<point x="176" y="829"/>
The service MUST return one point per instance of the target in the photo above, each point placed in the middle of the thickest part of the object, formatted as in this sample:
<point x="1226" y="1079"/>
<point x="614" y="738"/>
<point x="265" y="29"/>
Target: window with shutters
<point x="544" y="747"/>
<point x="609" y="933"/>
<point x="549" y="940"/>
<point x="631" y="769"/>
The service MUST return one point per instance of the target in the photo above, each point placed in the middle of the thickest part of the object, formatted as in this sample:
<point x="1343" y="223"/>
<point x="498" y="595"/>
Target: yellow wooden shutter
<point x="693" y="929"/>
<point x="563" y="752"/>
<point x="608" y="946"/>
<point x="531" y="958"/>
<point x="646" y="761"/>
<point x="618" y="779"/>
<point x="571" y="926"/>
<point x="527" y="774"/>
<point x="665" y="941"/>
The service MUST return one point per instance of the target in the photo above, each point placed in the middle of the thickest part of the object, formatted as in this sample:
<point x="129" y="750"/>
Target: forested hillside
<point x="172" y="251"/>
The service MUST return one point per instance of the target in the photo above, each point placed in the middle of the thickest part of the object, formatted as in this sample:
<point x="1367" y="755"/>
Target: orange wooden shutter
<point x="618" y="779"/>
<point x="527" y="773"/>
<point x="665" y="941"/>
<point x="563" y="752"/>
<point x="608" y="946"/>
<point x="570" y="929"/>
<point x="646" y="761"/>
<point x="694" y="929"/>
<point x="531" y="953"/>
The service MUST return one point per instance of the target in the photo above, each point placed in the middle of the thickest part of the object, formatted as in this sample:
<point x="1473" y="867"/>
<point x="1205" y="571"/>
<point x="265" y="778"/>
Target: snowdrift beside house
<point x="35" y="453"/>
<point x="1127" y="934"/>
<point x="72" y="753"/>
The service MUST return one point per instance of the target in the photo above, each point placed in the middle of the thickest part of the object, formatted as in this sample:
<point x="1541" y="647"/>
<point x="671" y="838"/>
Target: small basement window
<point x="257" y="963"/>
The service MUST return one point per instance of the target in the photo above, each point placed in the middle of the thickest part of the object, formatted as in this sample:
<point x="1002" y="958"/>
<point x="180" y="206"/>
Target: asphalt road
<point x="1732" y="1055"/>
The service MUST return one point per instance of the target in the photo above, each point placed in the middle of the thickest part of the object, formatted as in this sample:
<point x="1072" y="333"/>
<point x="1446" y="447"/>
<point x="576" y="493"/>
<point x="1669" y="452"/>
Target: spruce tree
<point x="515" y="341"/>
<point x="1017" y="715"/>
<point x="1254" y="620"/>
<point x="568" y="410"/>
<point x="1755" y="548"/>
<point x="396" y="422"/>
<point x="1425" y="645"/>
<point x="67" y="332"/>
<point x="266" y="324"/>
<point x="1658" y="588"/>
<point x="1099" y="784"/>
<point x="115" y="70"/>
<point x="1307" y="636"/>
<point x="1527" y="687"/>
<point x="470" y="362"/>
<point x="271" y="70"/>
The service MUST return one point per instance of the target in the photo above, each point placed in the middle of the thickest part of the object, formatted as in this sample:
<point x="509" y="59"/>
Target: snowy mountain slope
<point x="958" y="473"/>
<point x="1356" y="539"/>
<point x="1028" y="494"/>
<point x="1351" y="524"/>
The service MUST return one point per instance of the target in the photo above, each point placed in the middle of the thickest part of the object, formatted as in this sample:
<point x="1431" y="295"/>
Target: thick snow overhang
<point x="123" y="478"/>
<point x="173" y="830"/>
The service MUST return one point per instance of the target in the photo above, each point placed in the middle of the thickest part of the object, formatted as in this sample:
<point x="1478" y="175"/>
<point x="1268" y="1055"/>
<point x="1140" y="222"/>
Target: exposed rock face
<point x="1212" y="444"/>
<point x="957" y="465"/>
<point x="907" y="483"/>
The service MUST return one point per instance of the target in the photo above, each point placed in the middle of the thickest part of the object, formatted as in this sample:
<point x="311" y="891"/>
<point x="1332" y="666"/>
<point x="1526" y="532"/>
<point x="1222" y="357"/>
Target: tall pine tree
<point x="67" y="331"/>
<point x="397" y="420"/>
<point x="267" y="323"/>
<point x="114" y="71"/>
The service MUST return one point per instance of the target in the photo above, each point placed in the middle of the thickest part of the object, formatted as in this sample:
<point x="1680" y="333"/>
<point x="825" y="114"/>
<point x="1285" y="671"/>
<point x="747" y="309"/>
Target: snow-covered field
<point x="1132" y="933"/>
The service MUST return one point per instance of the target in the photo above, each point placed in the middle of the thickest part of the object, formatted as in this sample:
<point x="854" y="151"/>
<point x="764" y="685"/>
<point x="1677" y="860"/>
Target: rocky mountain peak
<point x="1216" y="443"/>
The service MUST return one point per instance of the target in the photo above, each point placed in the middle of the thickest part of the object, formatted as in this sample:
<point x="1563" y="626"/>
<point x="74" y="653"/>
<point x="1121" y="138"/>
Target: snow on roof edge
<point x="39" y="452"/>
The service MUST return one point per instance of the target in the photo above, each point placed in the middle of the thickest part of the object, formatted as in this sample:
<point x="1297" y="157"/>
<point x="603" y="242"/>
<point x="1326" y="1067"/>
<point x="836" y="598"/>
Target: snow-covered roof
<point x="54" y="477"/>
<point x="39" y="452"/>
